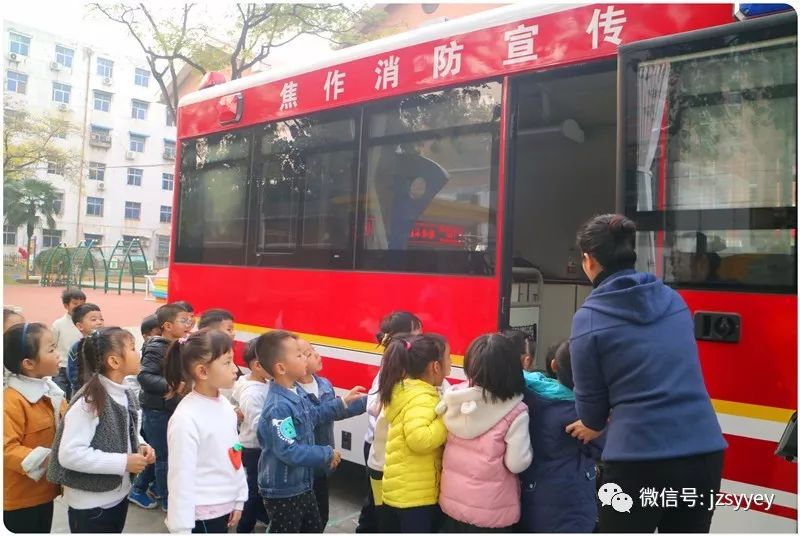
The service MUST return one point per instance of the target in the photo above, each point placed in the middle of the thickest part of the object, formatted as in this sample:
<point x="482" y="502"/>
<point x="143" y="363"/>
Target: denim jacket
<point x="286" y="435"/>
<point x="323" y="433"/>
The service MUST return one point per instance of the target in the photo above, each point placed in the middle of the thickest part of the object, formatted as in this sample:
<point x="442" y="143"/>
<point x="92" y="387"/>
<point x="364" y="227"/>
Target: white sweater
<point x="201" y="473"/>
<point x="251" y="396"/>
<point x="65" y="334"/>
<point x="74" y="453"/>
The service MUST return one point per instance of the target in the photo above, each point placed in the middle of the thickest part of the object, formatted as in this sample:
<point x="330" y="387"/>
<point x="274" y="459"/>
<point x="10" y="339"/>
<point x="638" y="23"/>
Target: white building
<point x="126" y="140"/>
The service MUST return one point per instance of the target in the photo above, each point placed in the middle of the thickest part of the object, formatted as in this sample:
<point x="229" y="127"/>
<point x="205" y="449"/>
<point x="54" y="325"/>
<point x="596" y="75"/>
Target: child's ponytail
<point x="407" y="356"/>
<point x="93" y="351"/>
<point x="173" y="368"/>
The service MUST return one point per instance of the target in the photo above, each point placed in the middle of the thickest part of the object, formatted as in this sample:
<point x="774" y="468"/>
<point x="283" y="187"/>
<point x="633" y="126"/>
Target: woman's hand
<point x="579" y="431"/>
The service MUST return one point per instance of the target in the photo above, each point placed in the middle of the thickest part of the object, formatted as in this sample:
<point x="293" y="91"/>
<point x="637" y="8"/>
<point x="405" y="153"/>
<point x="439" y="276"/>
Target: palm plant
<point x="26" y="202"/>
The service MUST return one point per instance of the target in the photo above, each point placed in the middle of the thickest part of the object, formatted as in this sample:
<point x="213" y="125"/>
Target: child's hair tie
<point x="183" y="340"/>
<point x="407" y="345"/>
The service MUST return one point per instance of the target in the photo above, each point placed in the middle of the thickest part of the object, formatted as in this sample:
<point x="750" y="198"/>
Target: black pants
<point x="368" y="519"/>
<point x="452" y="526"/>
<point x="254" y="506"/>
<point x="703" y="473"/>
<point x="416" y="520"/>
<point x="294" y="514"/>
<point x="218" y="525"/>
<point x="35" y="520"/>
<point x="98" y="520"/>
<point x="321" y="493"/>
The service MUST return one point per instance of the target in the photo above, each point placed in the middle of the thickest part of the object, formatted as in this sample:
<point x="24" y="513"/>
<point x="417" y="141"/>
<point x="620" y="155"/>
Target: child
<point x="413" y="367"/>
<point x="488" y="442"/>
<point x="157" y="403"/>
<point x="66" y="335"/>
<point x="150" y="328"/>
<point x="393" y="323"/>
<point x="286" y="435"/>
<point x="97" y="447"/>
<point x="561" y="462"/>
<point x="11" y="318"/>
<point x="319" y="391"/>
<point x="523" y="344"/>
<point x="207" y="484"/>
<point x="86" y="318"/>
<point x="223" y="320"/>
<point x="32" y="407"/>
<point x="250" y="392"/>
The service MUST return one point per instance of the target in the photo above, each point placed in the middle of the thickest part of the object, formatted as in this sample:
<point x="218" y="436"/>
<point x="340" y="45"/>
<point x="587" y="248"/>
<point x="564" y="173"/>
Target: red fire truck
<point x="445" y="170"/>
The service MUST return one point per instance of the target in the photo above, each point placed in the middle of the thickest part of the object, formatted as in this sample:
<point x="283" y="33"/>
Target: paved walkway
<point x="43" y="304"/>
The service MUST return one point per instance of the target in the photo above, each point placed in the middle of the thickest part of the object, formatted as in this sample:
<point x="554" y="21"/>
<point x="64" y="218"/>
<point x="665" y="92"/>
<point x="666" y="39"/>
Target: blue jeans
<point x="155" y="428"/>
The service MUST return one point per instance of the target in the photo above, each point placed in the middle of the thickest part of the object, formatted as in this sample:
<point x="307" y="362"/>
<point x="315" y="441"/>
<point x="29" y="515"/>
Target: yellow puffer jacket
<point x="414" y="447"/>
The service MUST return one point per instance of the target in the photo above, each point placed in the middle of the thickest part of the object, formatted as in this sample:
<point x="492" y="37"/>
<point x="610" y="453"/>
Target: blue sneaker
<point x="164" y="505"/>
<point x="141" y="500"/>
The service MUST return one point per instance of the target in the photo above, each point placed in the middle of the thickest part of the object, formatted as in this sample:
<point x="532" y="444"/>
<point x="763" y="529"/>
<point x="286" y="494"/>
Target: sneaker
<point x="142" y="500"/>
<point x="164" y="505"/>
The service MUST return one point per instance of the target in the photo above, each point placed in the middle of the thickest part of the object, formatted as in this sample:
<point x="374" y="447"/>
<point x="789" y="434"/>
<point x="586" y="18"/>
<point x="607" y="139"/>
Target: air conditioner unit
<point x="12" y="56"/>
<point x="63" y="107"/>
<point x="101" y="185"/>
<point x="107" y="81"/>
<point x="55" y="66"/>
<point x="130" y="155"/>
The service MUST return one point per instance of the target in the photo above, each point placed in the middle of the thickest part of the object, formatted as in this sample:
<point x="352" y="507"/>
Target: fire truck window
<point x="430" y="194"/>
<point x="213" y="199"/>
<point x="305" y="188"/>
<point x="716" y="145"/>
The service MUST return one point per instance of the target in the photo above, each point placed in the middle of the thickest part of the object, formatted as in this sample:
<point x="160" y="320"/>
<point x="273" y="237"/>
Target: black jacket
<point x="151" y="377"/>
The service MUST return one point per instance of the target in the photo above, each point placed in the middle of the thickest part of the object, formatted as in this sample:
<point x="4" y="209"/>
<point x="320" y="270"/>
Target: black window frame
<point x="693" y="220"/>
<point x="356" y="257"/>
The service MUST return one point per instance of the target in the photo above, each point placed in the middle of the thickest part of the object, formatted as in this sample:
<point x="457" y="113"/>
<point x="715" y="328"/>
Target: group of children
<point x="181" y="428"/>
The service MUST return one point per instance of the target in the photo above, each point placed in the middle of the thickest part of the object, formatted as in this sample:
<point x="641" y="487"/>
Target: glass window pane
<point x="213" y="198"/>
<point x="709" y="258"/>
<point x="730" y="122"/>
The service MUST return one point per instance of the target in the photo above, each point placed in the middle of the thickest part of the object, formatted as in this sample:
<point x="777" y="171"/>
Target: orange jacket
<point x="29" y="422"/>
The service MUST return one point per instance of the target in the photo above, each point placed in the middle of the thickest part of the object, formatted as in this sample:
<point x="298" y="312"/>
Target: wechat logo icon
<point x="611" y="494"/>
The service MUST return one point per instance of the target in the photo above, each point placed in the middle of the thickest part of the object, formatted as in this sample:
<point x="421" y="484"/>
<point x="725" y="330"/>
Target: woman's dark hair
<point x="611" y="239"/>
<point x="22" y="341"/>
<point x="93" y="351"/>
<point x="407" y="356"/>
<point x="564" y="365"/>
<point x="394" y="323"/>
<point x="492" y="362"/>
<point x="202" y="346"/>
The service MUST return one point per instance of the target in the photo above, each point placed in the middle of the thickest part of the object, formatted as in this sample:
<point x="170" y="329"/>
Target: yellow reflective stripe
<point x="752" y="411"/>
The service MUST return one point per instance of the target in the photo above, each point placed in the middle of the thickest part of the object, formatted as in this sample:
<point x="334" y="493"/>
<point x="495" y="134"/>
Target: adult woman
<point x="638" y="378"/>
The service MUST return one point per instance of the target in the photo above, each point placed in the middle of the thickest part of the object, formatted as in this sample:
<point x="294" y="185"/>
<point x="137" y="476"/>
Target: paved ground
<point x="347" y="486"/>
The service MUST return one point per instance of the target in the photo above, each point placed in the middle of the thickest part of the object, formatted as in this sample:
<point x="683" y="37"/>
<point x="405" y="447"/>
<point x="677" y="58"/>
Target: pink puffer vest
<point x="476" y="486"/>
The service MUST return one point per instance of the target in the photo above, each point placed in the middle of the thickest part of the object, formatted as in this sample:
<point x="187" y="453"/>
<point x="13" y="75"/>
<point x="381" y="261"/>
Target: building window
<point x="137" y="143"/>
<point x="166" y="214"/>
<point x="95" y="239"/>
<point x="61" y="92"/>
<point x="51" y="238"/>
<point x="167" y="181"/>
<point x="139" y="109"/>
<point x="142" y="77"/>
<point x="9" y="235"/>
<point x="20" y="44"/>
<point x="133" y="210"/>
<point x="16" y="82"/>
<point x="169" y="150"/>
<point x="55" y="168"/>
<point x="105" y="68"/>
<point x="97" y="171"/>
<point x="58" y="204"/>
<point x="64" y="56"/>
<point x="162" y="251"/>
<point x="94" y="206"/>
<point x="102" y="101"/>
<point x="170" y="118"/>
<point x="135" y="176"/>
<point x="100" y="137"/>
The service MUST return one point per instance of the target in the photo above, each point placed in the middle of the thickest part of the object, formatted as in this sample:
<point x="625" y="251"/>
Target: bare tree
<point x="172" y="38"/>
